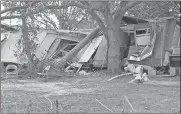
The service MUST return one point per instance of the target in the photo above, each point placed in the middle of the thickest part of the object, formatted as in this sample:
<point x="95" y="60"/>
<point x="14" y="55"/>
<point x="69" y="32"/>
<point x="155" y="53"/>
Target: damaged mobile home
<point x="144" y="45"/>
<point x="49" y="44"/>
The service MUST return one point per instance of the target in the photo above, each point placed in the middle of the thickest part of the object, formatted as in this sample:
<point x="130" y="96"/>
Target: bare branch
<point x="50" y="21"/>
<point x="97" y="18"/>
<point x="18" y="7"/>
<point x="89" y="6"/>
<point x="11" y="17"/>
<point x="99" y="22"/>
<point x="121" y="10"/>
<point x="108" y="17"/>
<point x="132" y="4"/>
<point x="14" y="9"/>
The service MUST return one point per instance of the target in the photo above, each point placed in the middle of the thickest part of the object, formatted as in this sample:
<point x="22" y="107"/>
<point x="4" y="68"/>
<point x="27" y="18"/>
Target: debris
<point x="45" y="72"/>
<point x="146" y="108"/>
<point x="11" y="69"/>
<point x="104" y="106"/>
<point x="50" y="103"/>
<point x="82" y="72"/>
<point x="69" y="71"/>
<point x="140" y="78"/>
<point x="172" y="71"/>
<point x="132" y="110"/>
<point x="119" y="76"/>
<point x="130" y="68"/>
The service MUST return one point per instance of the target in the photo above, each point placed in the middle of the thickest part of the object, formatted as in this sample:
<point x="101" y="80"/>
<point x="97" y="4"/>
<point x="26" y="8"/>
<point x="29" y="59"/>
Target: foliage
<point x="155" y="9"/>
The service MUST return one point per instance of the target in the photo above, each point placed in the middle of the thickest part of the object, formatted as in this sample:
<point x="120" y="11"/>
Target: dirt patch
<point x="48" y="88"/>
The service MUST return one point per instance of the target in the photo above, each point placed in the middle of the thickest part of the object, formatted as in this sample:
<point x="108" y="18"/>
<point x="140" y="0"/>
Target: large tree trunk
<point x="27" y="45"/>
<point x="115" y="51"/>
<point x="1" y="67"/>
<point x="76" y="49"/>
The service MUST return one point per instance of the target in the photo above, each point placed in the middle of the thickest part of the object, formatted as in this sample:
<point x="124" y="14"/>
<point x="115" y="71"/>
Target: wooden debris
<point x="104" y="106"/>
<point x="119" y="76"/>
<point x="50" y="102"/>
<point x="132" y="109"/>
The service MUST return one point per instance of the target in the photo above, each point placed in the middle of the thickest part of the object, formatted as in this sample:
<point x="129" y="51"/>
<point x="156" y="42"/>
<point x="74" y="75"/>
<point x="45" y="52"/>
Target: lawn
<point x="89" y="94"/>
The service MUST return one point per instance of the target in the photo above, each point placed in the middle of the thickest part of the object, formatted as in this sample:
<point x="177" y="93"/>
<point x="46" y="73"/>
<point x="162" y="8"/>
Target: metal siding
<point x="45" y="45"/>
<point x="8" y="48"/>
<point x="100" y="56"/>
<point x="91" y="49"/>
<point x="80" y="53"/>
<point x="170" y="27"/>
<point x="176" y="37"/>
<point x="53" y="48"/>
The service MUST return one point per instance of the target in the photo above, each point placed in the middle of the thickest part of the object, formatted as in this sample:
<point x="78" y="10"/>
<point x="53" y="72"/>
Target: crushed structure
<point x="145" y="45"/>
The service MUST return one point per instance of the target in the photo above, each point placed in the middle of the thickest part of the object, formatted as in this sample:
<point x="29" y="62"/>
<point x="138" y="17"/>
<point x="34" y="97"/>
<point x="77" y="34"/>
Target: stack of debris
<point x="139" y="72"/>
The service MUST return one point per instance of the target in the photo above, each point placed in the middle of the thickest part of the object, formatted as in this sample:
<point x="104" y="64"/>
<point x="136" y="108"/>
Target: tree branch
<point x="40" y="9"/>
<point x="50" y="21"/>
<point x="99" y="22"/>
<point x="97" y="18"/>
<point x="132" y="4"/>
<point x="117" y="17"/>
<point x="120" y="10"/>
<point x="14" y="9"/>
<point x="11" y="17"/>
<point x="18" y="7"/>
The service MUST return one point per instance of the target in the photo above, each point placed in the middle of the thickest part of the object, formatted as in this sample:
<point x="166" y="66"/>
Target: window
<point x="142" y="36"/>
<point x="143" y="31"/>
<point x="69" y="47"/>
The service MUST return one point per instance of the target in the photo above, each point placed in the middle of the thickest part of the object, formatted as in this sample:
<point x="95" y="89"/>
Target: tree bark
<point x="76" y="49"/>
<point x="27" y="44"/>
<point x="1" y="67"/>
<point x="115" y="52"/>
<point x="116" y="43"/>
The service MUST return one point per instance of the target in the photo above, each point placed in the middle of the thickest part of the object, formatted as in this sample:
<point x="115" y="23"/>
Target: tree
<point x="156" y="9"/>
<point x="52" y="18"/>
<point x="29" y="34"/>
<point x="108" y="15"/>
<point x="109" y="20"/>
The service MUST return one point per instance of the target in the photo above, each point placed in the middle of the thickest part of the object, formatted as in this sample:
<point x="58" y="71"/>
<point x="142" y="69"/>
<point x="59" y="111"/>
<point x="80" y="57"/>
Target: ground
<point x="80" y="94"/>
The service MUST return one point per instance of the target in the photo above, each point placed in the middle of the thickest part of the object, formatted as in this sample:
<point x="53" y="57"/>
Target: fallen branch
<point x="119" y="76"/>
<point x="50" y="102"/>
<point x="132" y="109"/>
<point x="104" y="105"/>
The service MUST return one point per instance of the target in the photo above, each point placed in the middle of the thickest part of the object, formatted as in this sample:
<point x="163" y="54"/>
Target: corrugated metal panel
<point x="53" y="48"/>
<point x="176" y="37"/>
<point x="91" y="49"/>
<point x="44" y="46"/>
<point x="8" y="48"/>
<point x="100" y="56"/>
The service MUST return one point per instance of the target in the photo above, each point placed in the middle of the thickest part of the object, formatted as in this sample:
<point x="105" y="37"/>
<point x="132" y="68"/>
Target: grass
<point x="145" y="98"/>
